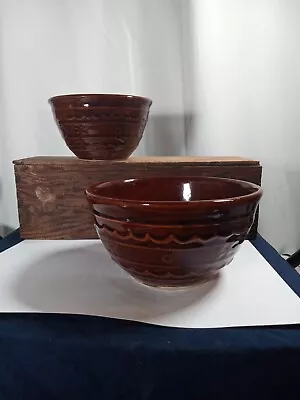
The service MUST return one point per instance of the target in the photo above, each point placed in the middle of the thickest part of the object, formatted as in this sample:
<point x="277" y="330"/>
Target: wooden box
<point x="50" y="190"/>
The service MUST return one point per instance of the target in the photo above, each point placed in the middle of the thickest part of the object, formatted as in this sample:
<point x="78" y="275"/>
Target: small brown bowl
<point x="101" y="126"/>
<point x="174" y="231"/>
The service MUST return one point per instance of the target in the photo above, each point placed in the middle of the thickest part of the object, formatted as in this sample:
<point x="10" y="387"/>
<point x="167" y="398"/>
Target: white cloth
<point x="79" y="277"/>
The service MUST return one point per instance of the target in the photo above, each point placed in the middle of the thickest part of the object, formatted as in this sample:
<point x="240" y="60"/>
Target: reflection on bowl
<point x="173" y="231"/>
<point x="101" y="126"/>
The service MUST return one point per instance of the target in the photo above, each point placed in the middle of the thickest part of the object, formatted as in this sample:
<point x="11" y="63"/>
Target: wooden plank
<point x="51" y="198"/>
<point x="66" y="160"/>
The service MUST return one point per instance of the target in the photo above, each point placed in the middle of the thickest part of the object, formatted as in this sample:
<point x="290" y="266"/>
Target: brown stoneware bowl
<point x="173" y="232"/>
<point x="101" y="126"/>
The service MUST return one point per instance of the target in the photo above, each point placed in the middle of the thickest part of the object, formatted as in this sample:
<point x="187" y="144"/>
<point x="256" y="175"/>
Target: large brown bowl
<point x="173" y="232"/>
<point x="101" y="126"/>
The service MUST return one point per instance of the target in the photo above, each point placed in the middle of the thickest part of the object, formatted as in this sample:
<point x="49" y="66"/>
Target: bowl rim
<point x="98" y="95"/>
<point x="226" y="202"/>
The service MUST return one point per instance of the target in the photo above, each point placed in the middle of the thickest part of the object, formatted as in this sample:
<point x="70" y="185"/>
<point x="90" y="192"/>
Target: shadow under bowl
<point x="173" y="231"/>
<point x="101" y="126"/>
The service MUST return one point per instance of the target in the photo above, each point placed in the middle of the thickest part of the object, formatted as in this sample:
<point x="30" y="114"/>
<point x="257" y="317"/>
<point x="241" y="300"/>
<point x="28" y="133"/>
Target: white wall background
<point x="224" y="77"/>
<point x="50" y="47"/>
<point x="246" y="82"/>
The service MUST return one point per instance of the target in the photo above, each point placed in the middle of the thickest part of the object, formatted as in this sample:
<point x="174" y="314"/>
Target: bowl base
<point x="102" y="159"/>
<point x="171" y="282"/>
<point x="179" y="286"/>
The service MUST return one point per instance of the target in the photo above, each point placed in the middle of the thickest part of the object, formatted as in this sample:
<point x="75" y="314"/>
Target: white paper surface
<point x="78" y="277"/>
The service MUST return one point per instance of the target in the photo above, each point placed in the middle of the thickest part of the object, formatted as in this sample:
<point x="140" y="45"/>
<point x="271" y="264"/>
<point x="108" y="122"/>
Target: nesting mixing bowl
<point x="101" y="126"/>
<point x="173" y="231"/>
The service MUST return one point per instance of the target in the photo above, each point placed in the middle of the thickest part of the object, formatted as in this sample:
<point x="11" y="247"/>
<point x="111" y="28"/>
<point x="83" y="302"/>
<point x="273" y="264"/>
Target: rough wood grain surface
<point x="66" y="160"/>
<point x="50" y="190"/>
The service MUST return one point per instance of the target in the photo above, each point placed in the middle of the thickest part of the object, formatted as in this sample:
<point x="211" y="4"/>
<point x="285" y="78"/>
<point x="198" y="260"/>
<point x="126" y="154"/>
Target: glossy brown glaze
<point x="173" y="231"/>
<point x="101" y="126"/>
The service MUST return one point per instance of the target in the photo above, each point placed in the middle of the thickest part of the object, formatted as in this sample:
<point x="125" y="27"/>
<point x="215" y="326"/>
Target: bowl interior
<point x="172" y="189"/>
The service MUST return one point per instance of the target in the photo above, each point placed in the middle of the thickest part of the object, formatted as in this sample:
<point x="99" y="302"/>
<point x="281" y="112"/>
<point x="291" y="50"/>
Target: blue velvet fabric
<point x="50" y="356"/>
<point x="10" y="240"/>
